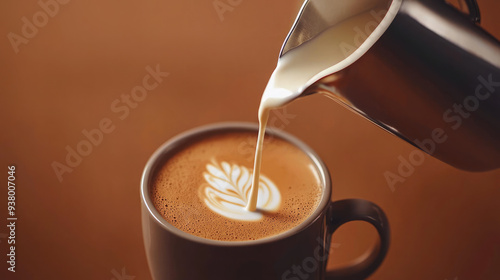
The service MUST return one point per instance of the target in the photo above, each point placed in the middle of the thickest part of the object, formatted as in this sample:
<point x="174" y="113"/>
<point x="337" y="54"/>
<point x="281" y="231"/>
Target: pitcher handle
<point x="473" y="8"/>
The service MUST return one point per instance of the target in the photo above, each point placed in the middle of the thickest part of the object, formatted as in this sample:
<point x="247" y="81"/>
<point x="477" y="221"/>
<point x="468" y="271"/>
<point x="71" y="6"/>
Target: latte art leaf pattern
<point x="227" y="191"/>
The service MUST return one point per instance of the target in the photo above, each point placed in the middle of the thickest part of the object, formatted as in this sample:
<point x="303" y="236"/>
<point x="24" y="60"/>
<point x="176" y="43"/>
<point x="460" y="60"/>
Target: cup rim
<point x="170" y="145"/>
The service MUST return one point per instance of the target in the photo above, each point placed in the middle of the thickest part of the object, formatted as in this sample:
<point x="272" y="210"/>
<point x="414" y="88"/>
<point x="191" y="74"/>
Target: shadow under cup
<point x="299" y="253"/>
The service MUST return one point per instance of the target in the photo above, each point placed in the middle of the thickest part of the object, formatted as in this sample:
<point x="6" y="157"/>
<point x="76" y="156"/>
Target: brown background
<point x="445" y="222"/>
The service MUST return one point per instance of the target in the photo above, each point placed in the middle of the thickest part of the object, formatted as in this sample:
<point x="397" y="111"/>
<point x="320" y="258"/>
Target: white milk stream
<point x="339" y="46"/>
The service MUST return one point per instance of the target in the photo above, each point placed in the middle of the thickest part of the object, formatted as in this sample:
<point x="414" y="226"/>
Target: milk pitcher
<point x="428" y="73"/>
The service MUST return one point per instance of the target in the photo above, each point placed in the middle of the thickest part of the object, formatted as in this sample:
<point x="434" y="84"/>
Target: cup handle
<point x="348" y="210"/>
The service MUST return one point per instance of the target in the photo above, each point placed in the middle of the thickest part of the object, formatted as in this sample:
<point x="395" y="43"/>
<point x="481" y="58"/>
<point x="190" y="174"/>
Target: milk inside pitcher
<point x="420" y="69"/>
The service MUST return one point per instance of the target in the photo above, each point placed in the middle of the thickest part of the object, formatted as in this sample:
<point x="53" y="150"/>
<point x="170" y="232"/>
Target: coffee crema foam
<point x="193" y="189"/>
<point x="227" y="192"/>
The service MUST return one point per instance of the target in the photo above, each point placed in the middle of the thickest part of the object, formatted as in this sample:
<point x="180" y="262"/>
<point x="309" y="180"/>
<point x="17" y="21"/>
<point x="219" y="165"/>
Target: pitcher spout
<point x="419" y="69"/>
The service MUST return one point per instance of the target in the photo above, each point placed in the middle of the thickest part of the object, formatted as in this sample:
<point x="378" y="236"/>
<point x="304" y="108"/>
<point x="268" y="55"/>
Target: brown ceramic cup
<point x="296" y="254"/>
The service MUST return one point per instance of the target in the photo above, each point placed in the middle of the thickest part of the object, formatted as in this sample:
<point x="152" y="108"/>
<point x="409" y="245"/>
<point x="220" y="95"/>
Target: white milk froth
<point x="227" y="191"/>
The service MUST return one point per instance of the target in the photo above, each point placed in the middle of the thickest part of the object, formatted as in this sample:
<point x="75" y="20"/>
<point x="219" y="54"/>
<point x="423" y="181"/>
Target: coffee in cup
<point x="203" y="188"/>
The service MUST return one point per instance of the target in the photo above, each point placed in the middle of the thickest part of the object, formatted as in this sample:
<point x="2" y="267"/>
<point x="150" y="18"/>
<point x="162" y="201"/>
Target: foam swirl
<point x="227" y="191"/>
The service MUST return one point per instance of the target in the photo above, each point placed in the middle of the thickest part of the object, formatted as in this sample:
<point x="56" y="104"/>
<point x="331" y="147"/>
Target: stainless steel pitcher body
<point x="432" y="78"/>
